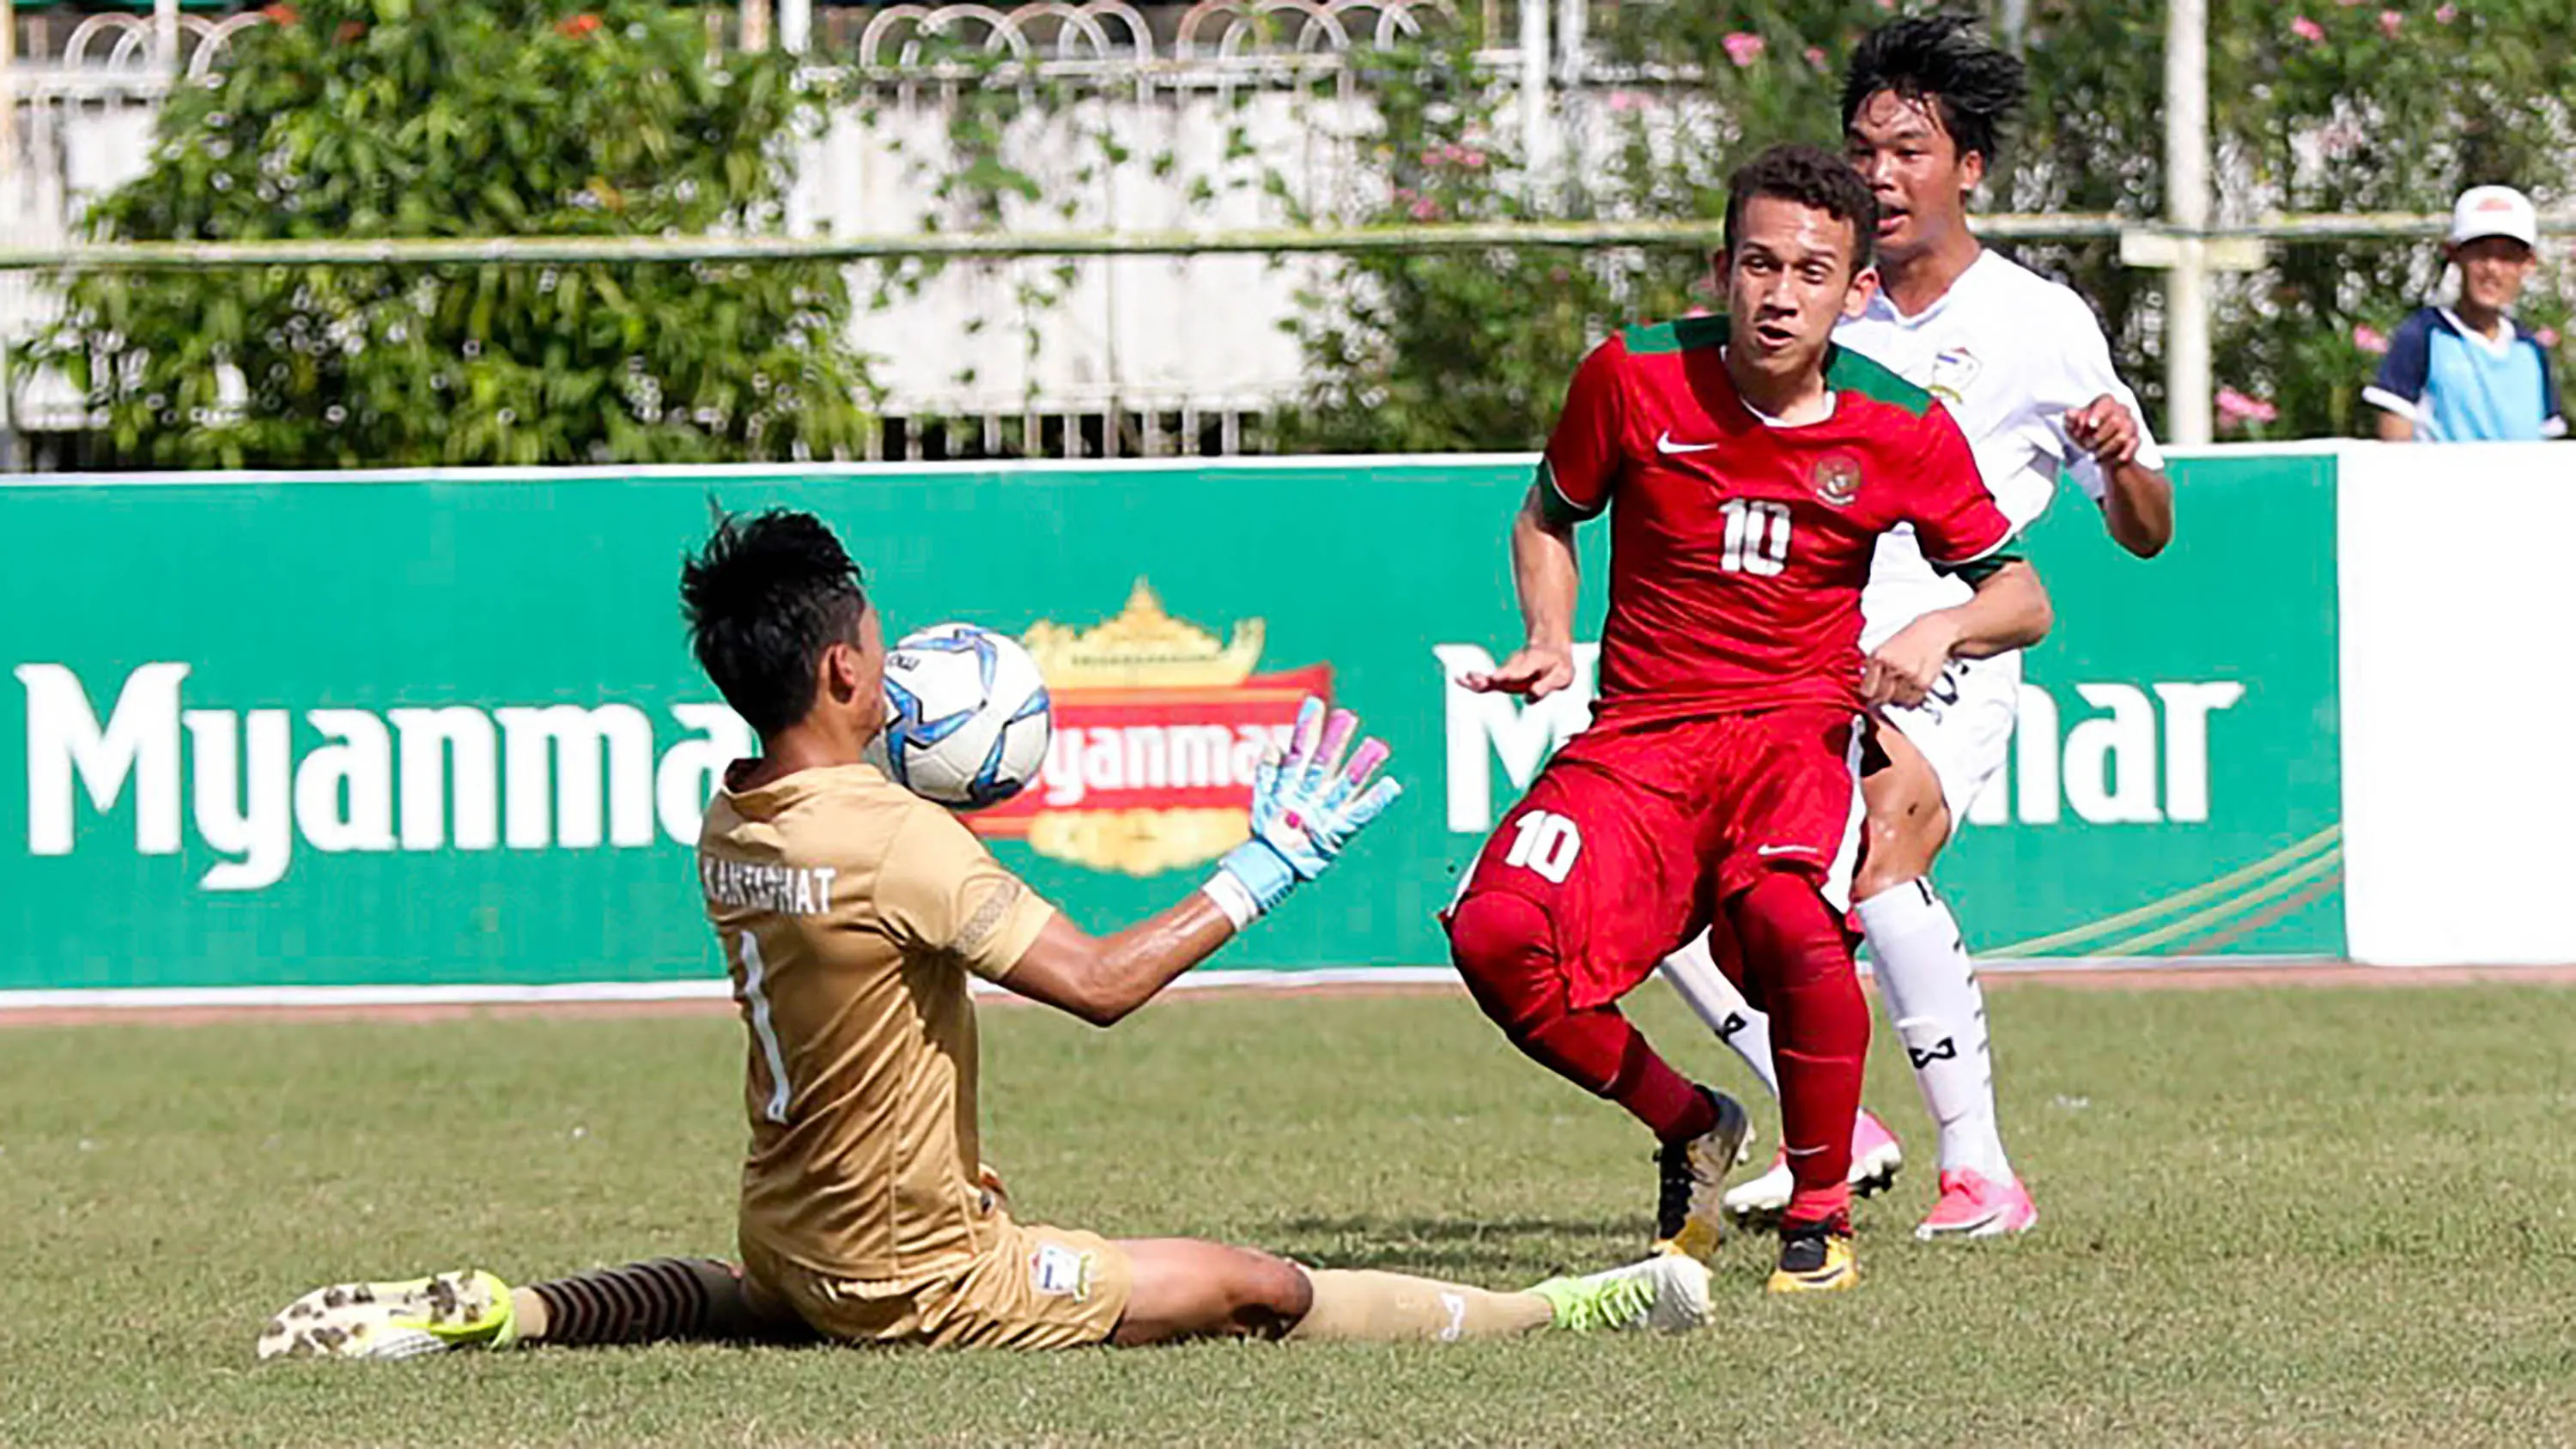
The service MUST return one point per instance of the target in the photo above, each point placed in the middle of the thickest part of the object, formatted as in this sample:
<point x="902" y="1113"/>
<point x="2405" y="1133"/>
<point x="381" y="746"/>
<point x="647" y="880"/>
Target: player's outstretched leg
<point x="1702" y="984"/>
<point x="1821" y="1023"/>
<point x="1183" y="1289"/>
<point x="698" y="1299"/>
<point x="1930" y="986"/>
<point x="1501" y="943"/>
<point x="395" y="1319"/>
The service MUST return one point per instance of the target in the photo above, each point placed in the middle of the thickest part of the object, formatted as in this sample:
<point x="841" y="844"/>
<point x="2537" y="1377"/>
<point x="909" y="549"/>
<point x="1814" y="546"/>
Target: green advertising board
<point x="2175" y="785"/>
<point x="443" y="729"/>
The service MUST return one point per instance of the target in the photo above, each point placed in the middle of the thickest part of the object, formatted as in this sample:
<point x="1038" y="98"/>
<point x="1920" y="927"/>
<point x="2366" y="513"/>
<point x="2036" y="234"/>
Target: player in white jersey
<point x="2023" y="366"/>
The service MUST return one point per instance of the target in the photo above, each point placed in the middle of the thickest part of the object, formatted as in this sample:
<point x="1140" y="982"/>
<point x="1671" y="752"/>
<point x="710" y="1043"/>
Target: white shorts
<point x="1964" y="726"/>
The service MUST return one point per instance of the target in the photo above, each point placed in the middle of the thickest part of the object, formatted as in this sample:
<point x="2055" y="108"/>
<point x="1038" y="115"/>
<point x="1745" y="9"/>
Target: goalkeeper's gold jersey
<point x="849" y="912"/>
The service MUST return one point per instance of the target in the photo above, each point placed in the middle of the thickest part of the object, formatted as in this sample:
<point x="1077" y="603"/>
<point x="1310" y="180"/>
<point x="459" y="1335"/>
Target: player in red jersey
<point x="1748" y="468"/>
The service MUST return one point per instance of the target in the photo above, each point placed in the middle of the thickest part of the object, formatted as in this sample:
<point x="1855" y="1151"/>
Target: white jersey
<point x="2010" y="352"/>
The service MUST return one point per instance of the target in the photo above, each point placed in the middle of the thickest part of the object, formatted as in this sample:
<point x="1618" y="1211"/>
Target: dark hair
<point x="1976" y="86"/>
<point x="763" y="599"/>
<point x="1811" y="177"/>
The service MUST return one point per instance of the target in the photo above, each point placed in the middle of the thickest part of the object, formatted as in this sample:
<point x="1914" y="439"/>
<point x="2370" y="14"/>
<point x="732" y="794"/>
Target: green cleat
<point x="1667" y="1293"/>
<point x="467" y="1309"/>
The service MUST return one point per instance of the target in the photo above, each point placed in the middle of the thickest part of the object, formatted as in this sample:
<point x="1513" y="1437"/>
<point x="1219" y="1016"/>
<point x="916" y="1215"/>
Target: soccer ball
<point x="966" y="716"/>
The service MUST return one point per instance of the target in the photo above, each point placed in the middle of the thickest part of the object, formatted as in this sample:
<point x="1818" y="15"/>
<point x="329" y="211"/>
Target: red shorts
<point x="1633" y="837"/>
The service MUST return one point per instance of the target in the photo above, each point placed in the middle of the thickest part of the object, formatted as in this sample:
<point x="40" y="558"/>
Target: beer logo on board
<point x="1158" y="724"/>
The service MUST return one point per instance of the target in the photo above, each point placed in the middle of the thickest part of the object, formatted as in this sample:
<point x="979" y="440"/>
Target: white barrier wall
<point x="2458" y="585"/>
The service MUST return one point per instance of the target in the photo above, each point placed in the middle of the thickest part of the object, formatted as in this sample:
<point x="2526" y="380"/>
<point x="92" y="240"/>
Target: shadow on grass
<point x="1460" y="1246"/>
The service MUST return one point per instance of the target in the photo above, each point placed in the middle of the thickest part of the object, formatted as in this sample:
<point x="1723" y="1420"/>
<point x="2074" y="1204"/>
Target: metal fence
<point x="1128" y="365"/>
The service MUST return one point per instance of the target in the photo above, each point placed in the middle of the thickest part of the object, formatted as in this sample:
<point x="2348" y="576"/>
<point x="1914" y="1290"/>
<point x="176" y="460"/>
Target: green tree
<point x="405" y="118"/>
<point x="1442" y="351"/>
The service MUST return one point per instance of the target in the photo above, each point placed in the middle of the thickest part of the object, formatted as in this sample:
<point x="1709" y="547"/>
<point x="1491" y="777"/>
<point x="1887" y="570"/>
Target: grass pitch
<point x="2269" y="1215"/>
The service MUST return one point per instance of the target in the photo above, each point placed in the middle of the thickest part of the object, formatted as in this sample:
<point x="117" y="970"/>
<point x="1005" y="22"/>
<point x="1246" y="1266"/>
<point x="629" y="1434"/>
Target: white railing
<point x="120" y="52"/>
<point x="112" y="53"/>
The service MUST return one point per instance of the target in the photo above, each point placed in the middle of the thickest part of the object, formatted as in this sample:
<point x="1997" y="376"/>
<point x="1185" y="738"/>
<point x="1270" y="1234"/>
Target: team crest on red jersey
<point x="1837" y="480"/>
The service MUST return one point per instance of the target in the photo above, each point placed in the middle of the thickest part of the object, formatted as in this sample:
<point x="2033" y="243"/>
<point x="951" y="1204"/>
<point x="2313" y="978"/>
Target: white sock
<point x="1940" y="1013"/>
<point x="1693" y="973"/>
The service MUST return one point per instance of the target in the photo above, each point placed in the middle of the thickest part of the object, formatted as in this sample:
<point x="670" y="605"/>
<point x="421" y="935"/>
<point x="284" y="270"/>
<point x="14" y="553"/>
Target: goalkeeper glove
<point x="1306" y="805"/>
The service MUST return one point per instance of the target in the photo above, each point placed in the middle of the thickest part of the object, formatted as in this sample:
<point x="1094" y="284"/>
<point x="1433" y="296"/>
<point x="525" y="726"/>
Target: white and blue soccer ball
<point x="966" y="715"/>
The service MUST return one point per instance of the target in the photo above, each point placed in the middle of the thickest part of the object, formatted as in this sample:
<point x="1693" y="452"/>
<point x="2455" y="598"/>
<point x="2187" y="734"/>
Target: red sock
<point x="1498" y="942"/>
<point x="1819" y="1033"/>
<point x="1665" y="1100"/>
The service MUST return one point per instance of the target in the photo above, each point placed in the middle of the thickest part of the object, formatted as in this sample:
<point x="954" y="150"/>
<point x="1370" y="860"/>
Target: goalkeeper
<point x="850" y="914"/>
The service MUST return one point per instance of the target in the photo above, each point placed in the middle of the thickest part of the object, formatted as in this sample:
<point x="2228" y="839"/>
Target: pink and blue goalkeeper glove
<point x="1306" y="805"/>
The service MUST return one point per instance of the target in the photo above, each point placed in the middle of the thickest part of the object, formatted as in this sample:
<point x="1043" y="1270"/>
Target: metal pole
<point x="795" y="34"/>
<point x="167" y="256"/>
<point x="10" y="179"/>
<point x="2016" y="24"/>
<point x="1573" y="20"/>
<point x="10" y="437"/>
<point x="569" y="250"/>
<point x="8" y="87"/>
<point x="1537" y="138"/>
<point x="165" y="35"/>
<point x="2187" y="379"/>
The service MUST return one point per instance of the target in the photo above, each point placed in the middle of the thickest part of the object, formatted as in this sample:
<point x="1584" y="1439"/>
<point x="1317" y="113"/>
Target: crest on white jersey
<point x="1953" y="368"/>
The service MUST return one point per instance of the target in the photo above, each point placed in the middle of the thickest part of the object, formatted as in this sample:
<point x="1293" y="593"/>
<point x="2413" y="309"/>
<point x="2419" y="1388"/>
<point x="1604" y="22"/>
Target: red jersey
<point x="1738" y="547"/>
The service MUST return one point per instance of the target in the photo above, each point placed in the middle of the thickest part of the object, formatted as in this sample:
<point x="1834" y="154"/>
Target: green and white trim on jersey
<point x="1559" y="510"/>
<point x="1845" y="370"/>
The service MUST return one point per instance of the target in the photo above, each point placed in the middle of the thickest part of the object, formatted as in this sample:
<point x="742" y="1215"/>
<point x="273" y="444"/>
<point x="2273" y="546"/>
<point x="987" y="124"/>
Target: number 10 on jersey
<point x="1757" y="536"/>
<point x="1546" y="844"/>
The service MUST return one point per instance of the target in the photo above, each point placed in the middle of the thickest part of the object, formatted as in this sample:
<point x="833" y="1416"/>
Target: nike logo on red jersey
<point x="1665" y="444"/>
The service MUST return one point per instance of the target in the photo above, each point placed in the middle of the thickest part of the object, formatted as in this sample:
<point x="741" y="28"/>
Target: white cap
<point x="2494" y="211"/>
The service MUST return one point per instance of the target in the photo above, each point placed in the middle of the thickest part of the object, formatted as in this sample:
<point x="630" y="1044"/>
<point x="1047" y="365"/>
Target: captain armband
<point x="1977" y="571"/>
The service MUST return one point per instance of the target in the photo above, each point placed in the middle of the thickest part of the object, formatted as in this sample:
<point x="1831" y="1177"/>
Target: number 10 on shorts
<point x="1546" y="845"/>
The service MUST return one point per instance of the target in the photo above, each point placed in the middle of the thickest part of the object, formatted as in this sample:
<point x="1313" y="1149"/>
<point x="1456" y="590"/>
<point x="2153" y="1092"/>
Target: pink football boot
<point x="1973" y="1205"/>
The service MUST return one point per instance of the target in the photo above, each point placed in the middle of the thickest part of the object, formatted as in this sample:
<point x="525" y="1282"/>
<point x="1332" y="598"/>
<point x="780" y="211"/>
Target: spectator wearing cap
<point x="2468" y="373"/>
